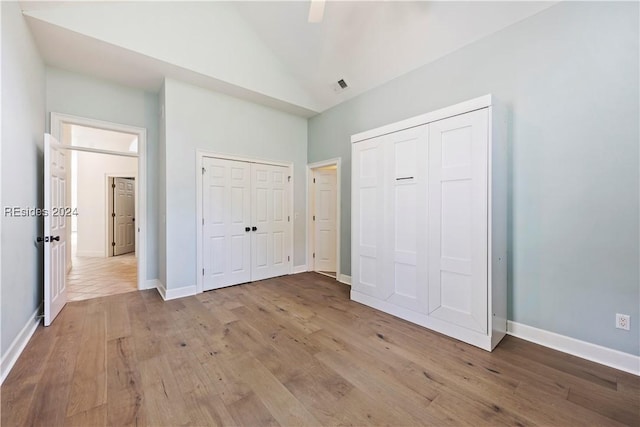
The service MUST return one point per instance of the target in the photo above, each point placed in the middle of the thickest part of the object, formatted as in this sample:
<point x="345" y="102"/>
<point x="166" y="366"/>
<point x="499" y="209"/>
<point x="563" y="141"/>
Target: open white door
<point x="325" y="188"/>
<point x="55" y="228"/>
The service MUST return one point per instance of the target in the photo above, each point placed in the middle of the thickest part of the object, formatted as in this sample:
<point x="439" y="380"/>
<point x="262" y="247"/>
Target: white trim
<point x="443" y="113"/>
<point x="585" y="350"/>
<point x="346" y="279"/>
<point x="18" y="345"/>
<point x="101" y="151"/>
<point x="337" y="162"/>
<point x="299" y="269"/>
<point x="200" y="155"/>
<point x="169" y="294"/>
<point x="57" y="119"/>
<point x="151" y="284"/>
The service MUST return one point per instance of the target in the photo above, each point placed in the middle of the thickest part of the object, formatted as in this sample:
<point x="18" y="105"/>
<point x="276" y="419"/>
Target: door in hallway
<point x="124" y="208"/>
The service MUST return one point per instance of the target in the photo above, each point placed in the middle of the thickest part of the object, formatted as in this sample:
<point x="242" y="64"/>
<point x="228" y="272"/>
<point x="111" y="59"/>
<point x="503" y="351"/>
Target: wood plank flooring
<point x="292" y="351"/>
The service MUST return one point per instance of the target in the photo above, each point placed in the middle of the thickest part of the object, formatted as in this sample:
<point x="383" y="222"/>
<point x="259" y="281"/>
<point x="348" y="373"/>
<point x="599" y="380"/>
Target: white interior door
<point x="406" y="227"/>
<point x="458" y="220"/>
<point x="124" y="210"/>
<point x="55" y="228"/>
<point x="270" y="242"/>
<point x="324" y="217"/>
<point x="226" y="222"/>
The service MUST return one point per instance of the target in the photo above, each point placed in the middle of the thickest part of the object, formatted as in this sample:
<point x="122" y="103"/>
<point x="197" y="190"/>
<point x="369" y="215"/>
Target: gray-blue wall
<point x="84" y="96"/>
<point x="570" y="78"/>
<point x="23" y="120"/>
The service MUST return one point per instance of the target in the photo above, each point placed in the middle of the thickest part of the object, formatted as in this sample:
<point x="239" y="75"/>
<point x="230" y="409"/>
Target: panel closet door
<point x="226" y="202"/>
<point x="270" y="242"/>
<point x="406" y="223"/>
<point x="458" y="220"/>
<point x="368" y="218"/>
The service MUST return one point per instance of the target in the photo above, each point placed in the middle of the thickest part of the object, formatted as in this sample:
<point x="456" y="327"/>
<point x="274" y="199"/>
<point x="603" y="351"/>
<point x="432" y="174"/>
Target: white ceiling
<point x="282" y="60"/>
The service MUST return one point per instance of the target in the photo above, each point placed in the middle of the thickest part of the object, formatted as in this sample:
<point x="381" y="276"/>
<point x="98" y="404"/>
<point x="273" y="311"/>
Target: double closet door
<point x="246" y="222"/>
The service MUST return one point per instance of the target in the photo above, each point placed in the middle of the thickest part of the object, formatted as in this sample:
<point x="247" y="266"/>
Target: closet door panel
<point x="406" y="185"/>
<point x="368" y="217"/>
<point x="270" y="243"/>
<point x="458" y="220"/>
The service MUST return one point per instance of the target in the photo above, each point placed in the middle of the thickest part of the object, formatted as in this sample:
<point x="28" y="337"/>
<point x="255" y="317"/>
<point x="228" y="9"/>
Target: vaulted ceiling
<point x="266" y="52"/>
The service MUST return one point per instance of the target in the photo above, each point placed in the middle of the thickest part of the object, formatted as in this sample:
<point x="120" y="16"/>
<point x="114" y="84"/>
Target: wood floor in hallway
<point x="292" y="351"/>
<point x="92" y="277"/>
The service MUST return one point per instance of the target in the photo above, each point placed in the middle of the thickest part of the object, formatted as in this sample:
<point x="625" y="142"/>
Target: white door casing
<point x="324" y="219"/>
<point x="226" y="217"/>
<point x="458" y="220"/>
<point x="270" y="243"/>
<point x="406" y="213"/>
<point x="124" y="207"/>
<point x="55" y="228"/>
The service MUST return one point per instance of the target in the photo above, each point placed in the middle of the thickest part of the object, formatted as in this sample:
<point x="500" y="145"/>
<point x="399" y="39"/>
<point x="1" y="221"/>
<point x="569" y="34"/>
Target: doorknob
<point x="254" y="228"/>
<point x="247" y="229"/>
<point x="56" y="238"/>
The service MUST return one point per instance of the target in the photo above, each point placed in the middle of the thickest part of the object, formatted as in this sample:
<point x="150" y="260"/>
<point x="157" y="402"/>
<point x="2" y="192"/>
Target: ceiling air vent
<point x="340" y="86"/>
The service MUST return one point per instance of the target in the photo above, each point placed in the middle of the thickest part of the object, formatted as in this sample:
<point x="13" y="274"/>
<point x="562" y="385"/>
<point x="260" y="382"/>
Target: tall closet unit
<point x="429" y="220"/>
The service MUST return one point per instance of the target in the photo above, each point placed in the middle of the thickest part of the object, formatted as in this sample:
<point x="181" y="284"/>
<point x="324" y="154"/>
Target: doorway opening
<point x="120" y="152"/>
<point x="323" y="225"/>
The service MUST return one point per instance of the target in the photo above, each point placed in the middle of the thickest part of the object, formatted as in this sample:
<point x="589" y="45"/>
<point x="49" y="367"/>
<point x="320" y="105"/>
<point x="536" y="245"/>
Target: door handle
<point x="56" y="238"/>
<point x="254" y="228"/>
<point x="247" y="229"/>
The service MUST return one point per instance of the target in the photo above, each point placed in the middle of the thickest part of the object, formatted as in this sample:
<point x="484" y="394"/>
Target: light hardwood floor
<point x="292" y="351"/>
<point x="92" y="277"/>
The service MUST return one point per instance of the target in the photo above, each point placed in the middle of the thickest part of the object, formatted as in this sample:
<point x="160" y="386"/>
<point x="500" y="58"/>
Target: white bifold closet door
<point x="245" y="222"/>
<point x="458" y="220"/>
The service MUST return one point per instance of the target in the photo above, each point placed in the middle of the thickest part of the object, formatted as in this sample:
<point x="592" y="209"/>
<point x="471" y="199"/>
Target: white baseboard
<point x="169" y="294"/>
<point x="345" y="279"/>
<point x="593" y="352"/>
<point x="299" y="269"/>
<point x="150" y="284"/>
<point x="19" y="343"/>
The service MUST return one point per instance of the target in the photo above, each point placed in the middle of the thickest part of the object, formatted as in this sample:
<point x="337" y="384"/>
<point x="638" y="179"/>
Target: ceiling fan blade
<point x="316" y="11"/>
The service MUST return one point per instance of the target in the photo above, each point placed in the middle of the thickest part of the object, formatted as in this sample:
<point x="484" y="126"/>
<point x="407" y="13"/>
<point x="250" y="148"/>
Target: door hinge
<point x="113" y="186"/>
<point x="314" y="254"/>
<point x="288" y="258"/>
<point x="314" y="217"/>
<point x="202" y="221"/>
<point x="289" y="178"/>
<point x="203" y="170"/>
<point x="314" y="180"/>
<point x="113" y="243"/>
<point x="203" y="271"/>
<point x="113" y="214"/>
<point x="288" y="218"/>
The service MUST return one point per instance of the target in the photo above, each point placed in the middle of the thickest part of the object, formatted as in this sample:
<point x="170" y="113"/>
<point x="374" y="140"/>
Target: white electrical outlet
<point x="623" y="321"/>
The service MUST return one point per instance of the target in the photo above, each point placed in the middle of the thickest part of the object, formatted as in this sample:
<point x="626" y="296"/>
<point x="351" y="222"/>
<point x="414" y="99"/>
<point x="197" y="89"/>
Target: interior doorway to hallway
<point x="323" y="225"/>
<point x="102" y="256"/>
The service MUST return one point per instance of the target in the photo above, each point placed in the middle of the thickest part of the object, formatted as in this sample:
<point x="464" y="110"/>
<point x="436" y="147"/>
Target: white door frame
<point x="200" y="155"/>
<point x="58" y="119"/>
<point x="337" y="162"/>
<point x="109" y="204"/>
